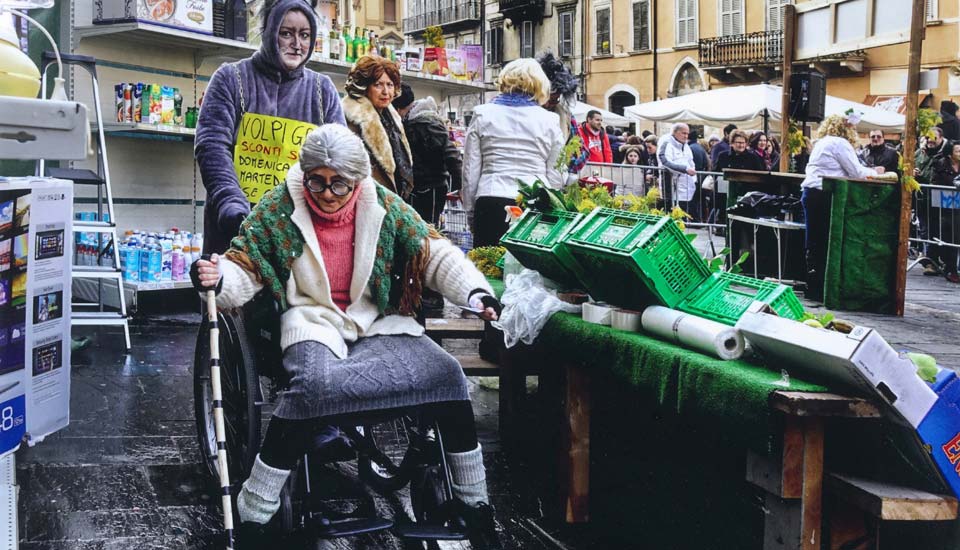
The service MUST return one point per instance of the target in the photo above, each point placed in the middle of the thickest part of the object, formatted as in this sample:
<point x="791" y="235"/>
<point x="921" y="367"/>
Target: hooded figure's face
<point x="294" y="39"/>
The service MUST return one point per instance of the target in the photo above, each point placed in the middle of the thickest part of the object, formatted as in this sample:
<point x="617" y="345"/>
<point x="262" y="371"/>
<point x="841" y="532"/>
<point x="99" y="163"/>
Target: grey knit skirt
<point x="380" y="372"/>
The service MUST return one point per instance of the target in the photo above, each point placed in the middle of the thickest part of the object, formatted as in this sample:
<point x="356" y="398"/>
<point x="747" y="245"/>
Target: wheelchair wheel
<point x="240" y="386"/>
<point x="393" y="439"/>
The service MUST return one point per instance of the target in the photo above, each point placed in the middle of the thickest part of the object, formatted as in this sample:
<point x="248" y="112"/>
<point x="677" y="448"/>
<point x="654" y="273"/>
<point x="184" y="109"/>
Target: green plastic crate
<point x="534" y="240"/>
<point x="725" y="297"/>
<point x="634" y="260"/>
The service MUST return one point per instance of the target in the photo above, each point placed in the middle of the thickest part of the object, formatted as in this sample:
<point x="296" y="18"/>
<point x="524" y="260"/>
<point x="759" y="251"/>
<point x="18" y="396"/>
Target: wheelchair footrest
<point x="350" y="527"/>
<point x="428" y="532"/>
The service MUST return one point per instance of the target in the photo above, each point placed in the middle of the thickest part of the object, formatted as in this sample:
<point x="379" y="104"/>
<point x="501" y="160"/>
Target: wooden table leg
<point x="812" y="503"/>
<point x="576" y="444"/>
<point x="513" y="388"/>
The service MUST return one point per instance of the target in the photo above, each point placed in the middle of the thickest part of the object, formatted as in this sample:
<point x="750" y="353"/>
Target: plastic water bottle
<point x="177" y="259"/>
<point x="166" y="260"/>
<point x="196" y="243"/>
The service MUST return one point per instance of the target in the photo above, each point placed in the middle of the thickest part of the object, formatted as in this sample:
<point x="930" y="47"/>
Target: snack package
<point x="457" y="63"/>
<point x="435" y="61"/>
<point x="413" y="59"/>
<point x="473" y="54"/>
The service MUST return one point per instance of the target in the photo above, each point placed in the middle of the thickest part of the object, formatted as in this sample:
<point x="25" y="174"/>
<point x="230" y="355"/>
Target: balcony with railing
<point x="522" y="10"/>
<point x="759" y="56"/>
<point x="452" y="18"/>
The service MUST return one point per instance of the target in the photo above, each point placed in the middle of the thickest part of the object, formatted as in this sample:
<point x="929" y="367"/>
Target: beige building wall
<point x="651" y="77"/>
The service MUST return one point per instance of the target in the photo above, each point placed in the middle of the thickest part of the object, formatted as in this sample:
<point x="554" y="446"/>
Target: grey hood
<point x="423" y="109"/>
<point x="267" y="58"/>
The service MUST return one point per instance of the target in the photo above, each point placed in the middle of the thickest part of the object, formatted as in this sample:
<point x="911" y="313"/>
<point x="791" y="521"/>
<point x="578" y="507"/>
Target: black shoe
<point x="481" y="527"/>
<point x="251" y="536"/>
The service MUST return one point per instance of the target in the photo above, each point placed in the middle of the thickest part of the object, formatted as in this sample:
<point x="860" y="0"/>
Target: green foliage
<point x="927" y="119"/>
<point x="570" y="150"/>
<point x="718" y="262"/>
<point x="487" y="258"/>
<point x="433" y="36"/>
<point x="822" y="318"/>
<point x="926" y="366"/>
<point x="794" y="142"/>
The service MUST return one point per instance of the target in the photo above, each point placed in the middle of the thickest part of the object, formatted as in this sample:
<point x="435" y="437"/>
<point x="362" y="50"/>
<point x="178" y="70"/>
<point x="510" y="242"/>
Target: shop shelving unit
<point x="156" y="182"/>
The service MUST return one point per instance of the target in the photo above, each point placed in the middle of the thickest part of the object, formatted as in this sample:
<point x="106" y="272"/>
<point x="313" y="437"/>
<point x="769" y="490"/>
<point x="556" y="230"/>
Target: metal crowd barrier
<point x="705" y="208"/>
<point x="935" y="226"/>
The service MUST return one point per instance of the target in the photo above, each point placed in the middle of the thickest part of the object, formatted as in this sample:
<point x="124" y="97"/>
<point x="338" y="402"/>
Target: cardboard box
<point x="189" y="15"/>
<point x="939" y="431"/>
<point x="861" y="360"/>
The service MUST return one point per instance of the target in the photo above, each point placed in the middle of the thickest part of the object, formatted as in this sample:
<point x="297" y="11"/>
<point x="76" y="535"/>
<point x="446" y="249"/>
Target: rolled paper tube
<point x="597" y="313"/>
<point x="625" y="319"/>
<point x="693" y="332"/>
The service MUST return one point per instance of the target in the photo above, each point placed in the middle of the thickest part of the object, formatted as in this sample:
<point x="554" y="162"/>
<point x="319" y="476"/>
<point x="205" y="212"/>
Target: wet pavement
<point x="126" y="472"/>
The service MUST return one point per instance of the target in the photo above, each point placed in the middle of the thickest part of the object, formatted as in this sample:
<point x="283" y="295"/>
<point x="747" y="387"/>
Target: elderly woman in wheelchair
<point x="346" y="259"/>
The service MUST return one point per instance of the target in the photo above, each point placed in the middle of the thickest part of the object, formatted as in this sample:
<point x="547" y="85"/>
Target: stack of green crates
<point x="634" y="260"/>
<point x="725" y="297"/>
<point x="535" y="241"/>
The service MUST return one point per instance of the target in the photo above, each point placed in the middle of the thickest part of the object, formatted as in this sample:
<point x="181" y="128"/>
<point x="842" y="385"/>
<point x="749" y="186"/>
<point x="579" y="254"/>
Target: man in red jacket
<point x="595" y="139"/>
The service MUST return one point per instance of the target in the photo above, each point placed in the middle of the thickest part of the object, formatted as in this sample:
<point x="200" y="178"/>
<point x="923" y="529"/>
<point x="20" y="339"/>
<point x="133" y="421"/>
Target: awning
<point x="580" y="110"/>
<point x="746" y="106"/>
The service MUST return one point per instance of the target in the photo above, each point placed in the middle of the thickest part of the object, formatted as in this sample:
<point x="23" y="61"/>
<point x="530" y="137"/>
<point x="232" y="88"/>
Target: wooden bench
<point x="463" y="329"/>
<point x="861" y="505"/>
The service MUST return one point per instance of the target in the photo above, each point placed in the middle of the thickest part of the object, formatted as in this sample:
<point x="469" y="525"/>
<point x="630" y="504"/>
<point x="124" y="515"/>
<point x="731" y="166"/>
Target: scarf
<point x="515" y="100"/>
<point x="269" y="242"/>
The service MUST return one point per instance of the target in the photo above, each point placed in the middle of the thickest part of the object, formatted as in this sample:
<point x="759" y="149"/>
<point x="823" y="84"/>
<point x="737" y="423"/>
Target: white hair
<point x="334" y="146"/>
<point x="678" y="125"/>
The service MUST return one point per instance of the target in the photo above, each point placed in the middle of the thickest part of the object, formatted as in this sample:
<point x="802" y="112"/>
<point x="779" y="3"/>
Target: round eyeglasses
<point x="319" y="184"/>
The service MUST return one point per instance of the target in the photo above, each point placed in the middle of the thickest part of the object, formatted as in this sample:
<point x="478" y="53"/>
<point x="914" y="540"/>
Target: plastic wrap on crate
<point x="535" y="240"/>
<point x="634" y="260"/>
<point x="725" y="297"/>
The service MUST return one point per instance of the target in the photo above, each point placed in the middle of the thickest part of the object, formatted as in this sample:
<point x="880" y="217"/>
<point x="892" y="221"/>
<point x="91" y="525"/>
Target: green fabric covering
<point x="862" y="257"/>
<point x="497" y="285"/>
<point x="731" y="395"/>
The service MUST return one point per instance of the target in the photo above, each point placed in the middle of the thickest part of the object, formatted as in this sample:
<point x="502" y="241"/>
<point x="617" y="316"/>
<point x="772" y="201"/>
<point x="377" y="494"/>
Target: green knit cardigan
<point x="269" y="242"/>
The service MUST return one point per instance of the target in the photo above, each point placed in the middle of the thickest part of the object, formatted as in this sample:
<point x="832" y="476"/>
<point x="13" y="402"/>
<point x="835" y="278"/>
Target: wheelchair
<point x="393" y="449"/>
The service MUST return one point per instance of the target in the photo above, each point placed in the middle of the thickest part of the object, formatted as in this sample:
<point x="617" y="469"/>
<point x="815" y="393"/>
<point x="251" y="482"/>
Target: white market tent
<point x="745" y="106"/>
<point x="580" y="110"/>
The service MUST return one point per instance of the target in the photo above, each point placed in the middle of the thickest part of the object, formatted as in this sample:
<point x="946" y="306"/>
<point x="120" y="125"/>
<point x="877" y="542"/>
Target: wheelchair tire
<point x="393" y="440"/>
<point x="242" y="396"/>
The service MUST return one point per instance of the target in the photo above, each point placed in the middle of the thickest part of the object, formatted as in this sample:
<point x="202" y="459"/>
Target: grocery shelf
<point x="164" y="285"/>
<point x="213" y="47"/>
<point x="147" y="129"/>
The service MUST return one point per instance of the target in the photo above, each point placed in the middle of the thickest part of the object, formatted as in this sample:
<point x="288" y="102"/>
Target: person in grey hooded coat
<point x="273" y="81"/>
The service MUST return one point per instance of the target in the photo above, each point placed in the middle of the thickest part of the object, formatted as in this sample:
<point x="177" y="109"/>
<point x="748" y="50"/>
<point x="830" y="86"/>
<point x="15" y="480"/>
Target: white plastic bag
<point x="527" y="306"/>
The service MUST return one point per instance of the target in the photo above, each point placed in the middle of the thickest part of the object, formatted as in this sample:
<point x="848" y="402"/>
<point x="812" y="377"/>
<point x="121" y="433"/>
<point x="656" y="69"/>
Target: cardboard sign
<point x="266" y="148"/>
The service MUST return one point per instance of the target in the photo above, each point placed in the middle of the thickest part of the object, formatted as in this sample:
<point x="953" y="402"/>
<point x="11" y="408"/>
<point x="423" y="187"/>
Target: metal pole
<point x="909" y="148"/>
<point x="789" y="31"/>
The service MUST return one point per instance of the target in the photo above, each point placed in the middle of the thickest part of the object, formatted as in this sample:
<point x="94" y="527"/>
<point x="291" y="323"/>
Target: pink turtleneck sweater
<point x="335" y="234"/>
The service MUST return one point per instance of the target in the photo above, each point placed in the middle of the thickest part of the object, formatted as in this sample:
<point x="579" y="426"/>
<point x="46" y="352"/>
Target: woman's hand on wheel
<point x="205" y="274"/>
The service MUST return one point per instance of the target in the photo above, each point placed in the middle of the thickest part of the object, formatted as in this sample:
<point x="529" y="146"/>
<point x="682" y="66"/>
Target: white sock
<point x="469" y="476"/>
<point x="259" y="499"/>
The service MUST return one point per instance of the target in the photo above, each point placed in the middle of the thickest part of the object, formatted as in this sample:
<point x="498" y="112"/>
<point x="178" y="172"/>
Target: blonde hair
<point x="525" y="76"/>
<point x="836" y="125"/>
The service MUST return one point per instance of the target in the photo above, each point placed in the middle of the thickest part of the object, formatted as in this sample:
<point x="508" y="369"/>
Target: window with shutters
<point x="526" y="39"/>
<point x="641" y="25"/>
<point x="933" y="12"/>
<point x="602" y="18"/>
<point x="686" y="22"/>
<point x="493" y="46"/>
<point x="565" y="32"/>
<point x="389" y="11"/>
<point x="731" y="17"/>
<point x="775" y="14"/>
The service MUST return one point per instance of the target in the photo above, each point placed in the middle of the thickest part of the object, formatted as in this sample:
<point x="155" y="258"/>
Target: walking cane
<point x="218" y="416"/>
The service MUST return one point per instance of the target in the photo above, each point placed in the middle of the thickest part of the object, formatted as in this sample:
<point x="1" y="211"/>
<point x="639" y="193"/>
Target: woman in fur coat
<point x="372" y="84"/>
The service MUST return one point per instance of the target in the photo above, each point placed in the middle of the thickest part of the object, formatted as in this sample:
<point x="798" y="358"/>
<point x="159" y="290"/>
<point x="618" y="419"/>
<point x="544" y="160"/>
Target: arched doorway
<point x="620" y="100"/>
<point x="687" y="80"/>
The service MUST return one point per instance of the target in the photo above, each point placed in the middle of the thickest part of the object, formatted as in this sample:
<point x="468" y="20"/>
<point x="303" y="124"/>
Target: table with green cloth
<point x="663" y="434"/>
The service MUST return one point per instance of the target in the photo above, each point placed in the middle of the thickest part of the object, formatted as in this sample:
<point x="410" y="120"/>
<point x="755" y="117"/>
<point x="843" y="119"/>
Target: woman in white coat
<point x="511" y="138"/>
<point x="833" y="156"/>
